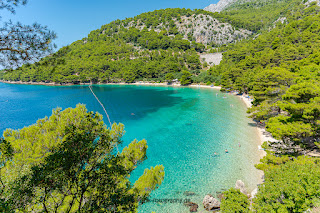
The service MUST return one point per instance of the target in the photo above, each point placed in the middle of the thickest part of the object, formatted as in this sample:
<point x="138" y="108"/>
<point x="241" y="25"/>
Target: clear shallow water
<point x="183" y="128"/>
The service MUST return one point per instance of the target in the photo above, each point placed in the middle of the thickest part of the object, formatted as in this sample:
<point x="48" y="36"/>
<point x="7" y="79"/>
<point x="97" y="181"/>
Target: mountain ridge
<point x="219" y="6"/>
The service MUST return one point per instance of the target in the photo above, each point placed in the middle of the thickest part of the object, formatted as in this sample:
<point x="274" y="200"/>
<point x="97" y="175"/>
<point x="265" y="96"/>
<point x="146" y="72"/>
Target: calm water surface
<point x="183" y="128"/>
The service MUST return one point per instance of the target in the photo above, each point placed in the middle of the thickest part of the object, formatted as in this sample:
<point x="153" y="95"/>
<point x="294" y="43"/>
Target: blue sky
<point x="74" y="19"/>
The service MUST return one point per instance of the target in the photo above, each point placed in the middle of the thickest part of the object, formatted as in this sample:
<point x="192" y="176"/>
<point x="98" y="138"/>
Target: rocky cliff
<point x="201" y="28"/>
<point x="208" y="30"/>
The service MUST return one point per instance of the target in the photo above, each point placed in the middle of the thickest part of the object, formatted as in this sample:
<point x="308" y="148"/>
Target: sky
<point x="72" y="20"/>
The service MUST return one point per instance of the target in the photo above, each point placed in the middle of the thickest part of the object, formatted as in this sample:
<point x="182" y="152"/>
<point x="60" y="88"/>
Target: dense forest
<point x="156" y="46"/>
<point x="119" y="52"/>
<point x="256" y="15"/>
<point x="280" y="69"/>
<point x="279" y="65"/>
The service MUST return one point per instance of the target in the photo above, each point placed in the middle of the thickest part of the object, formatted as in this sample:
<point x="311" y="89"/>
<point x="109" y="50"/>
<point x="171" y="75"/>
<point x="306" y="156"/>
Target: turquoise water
<point x="183" y="128"/>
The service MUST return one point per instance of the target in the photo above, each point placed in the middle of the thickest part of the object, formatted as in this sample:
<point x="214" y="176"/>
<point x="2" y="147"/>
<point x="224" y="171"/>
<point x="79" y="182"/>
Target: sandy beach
<point x="263" y="134"/>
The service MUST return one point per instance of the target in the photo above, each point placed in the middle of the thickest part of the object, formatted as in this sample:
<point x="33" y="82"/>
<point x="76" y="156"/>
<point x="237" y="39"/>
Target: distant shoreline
<point x="121" y="83"/>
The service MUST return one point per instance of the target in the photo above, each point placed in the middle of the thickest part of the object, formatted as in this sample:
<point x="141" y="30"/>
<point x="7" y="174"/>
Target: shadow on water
<point x="133" y="103"/>
<point x="22" y="105"/>
<point x="252" y="124"/>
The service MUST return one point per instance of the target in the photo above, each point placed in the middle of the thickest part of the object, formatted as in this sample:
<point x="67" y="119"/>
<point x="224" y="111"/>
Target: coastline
<point x="120" y="83"/>
<point x="262" y="133"/>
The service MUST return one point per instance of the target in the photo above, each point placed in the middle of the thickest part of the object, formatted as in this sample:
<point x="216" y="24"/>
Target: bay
<point x="183" y="127"/>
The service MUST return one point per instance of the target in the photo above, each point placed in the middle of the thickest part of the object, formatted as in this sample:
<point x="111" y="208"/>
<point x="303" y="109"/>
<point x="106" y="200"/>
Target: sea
<point x="183" y="127"/>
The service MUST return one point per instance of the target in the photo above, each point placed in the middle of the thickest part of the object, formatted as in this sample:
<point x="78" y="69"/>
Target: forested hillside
<point x="155" y="46"/>
<point x="148" y="46"/>
<point x="254" y="15"/>
<point x="280" y="69"/>
<point x="257" y="15"/>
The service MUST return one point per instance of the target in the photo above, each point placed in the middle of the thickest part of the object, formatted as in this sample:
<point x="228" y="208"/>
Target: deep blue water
<point x="183" y="128"/>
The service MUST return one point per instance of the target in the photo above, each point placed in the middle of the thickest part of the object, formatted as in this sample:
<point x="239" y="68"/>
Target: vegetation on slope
<point x="111" y="59"/>
<point x="256" y="15"/>
<point x="117" y="53"/>
<point x="151" y="45"/>
<point x="146" y="47"/>
<point x="280" y="69"/>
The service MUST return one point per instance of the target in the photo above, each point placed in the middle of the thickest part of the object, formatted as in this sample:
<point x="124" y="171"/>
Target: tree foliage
<point x="185" y="78"/>
<point x="255" y="15"/>
<point x="234" y="201"/>
<point x="10" y="5"/>
<point x="21" y="43"/>
<point x="290" y="187"/>
<point x="69" y="163"/>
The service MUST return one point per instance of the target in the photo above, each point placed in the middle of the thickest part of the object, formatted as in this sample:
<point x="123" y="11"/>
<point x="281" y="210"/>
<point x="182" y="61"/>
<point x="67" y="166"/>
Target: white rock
<point x="240" y="185"/>
<point x="210" y="203"/>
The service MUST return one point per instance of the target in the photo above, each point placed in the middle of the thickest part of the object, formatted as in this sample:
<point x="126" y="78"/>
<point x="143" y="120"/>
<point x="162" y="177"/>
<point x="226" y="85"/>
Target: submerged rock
<point x="189" y="193"/>
<point x="210" y="203"/>
<point x="193" y="206"/>
<point x="240" y="185"/>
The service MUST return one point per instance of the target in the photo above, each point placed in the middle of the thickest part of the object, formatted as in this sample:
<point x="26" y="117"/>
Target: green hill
<point x="146" y="47"/>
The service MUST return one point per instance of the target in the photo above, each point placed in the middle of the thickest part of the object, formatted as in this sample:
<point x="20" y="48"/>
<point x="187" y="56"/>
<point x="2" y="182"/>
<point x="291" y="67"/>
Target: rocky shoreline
<point x="213" y="203"/>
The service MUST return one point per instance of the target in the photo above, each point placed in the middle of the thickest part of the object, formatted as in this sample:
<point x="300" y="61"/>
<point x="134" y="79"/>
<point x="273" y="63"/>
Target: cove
<point x="183" y="127"/>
